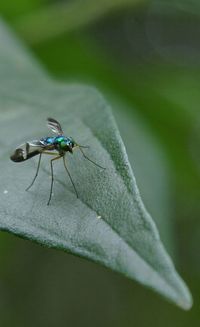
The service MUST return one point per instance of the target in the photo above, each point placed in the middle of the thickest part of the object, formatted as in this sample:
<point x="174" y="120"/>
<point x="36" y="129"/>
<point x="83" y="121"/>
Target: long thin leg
<point x="86" y="157"/>
<point x="52" y="178"/>
<point x="38" y="166"/>
<point x="64" y="161"/>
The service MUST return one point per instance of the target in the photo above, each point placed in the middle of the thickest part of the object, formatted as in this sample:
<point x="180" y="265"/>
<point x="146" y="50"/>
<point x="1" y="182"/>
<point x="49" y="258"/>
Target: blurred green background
<point x="144" y="56"/>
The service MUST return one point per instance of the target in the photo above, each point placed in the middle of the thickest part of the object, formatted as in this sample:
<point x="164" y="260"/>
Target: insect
<point x="56" y="146"/>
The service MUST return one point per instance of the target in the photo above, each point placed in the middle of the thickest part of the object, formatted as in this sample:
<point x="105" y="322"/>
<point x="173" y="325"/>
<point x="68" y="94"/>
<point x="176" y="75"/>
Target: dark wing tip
<point x="50" y="119"/>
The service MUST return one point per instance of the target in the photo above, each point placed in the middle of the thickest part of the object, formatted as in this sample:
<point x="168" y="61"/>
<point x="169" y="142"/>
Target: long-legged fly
<point x="56" y="146"/>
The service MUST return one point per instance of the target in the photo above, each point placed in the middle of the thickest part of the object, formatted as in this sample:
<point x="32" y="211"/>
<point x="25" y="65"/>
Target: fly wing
<point x="37" y="144"/>
<point x="27" y="150"/>
<point x="55" y="126"/>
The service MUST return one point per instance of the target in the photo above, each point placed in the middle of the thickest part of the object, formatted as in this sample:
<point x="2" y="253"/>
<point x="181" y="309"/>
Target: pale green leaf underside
<point x="125" y="237"/>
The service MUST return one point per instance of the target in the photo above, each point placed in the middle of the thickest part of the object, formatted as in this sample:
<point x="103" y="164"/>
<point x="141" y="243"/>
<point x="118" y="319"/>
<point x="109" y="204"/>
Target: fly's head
<point x="66" y="144"/>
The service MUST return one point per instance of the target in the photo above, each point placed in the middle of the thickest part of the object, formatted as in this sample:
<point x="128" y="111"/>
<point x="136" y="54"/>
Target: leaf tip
<point x="186" y="301"/>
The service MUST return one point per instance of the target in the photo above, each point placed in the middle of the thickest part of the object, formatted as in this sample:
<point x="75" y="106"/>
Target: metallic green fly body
<point x="56" y="146"/>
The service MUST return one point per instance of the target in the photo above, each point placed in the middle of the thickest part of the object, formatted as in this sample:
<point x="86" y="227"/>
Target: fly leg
<point x="38" y="166"/>
<point x="86" y="157"/>
<point x="52" y="177"/>
<point x="67" y="170"/>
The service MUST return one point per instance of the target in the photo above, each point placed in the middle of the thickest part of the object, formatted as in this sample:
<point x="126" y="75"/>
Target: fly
<point x="56" y="146"/>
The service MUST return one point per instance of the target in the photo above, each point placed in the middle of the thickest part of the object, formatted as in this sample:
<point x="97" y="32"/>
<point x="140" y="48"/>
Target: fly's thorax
<point x="48" y="140"/>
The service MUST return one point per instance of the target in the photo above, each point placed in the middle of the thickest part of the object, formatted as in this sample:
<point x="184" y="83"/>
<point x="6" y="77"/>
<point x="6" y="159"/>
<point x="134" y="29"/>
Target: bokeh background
<point x="144" y="56"/>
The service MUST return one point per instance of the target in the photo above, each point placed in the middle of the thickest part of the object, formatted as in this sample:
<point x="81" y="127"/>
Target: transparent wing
<point x="36" y="143"/>
<point x="55" y="126"/>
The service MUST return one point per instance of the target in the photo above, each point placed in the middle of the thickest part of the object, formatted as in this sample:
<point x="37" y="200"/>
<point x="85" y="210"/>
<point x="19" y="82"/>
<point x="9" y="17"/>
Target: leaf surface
<point x="108" y="223"/>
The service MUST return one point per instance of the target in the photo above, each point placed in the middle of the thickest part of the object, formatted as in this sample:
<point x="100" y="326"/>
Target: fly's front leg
<point x="52" y="177"/>
<point x="86" y="157"/>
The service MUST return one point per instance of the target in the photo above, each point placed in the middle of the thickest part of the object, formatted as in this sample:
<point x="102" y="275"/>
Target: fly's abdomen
<point x="19" y="155"/>
<point x="27" y="151"/>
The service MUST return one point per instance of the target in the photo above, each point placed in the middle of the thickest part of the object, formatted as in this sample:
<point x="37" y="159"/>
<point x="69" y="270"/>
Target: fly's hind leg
<point x="38" y="167"/>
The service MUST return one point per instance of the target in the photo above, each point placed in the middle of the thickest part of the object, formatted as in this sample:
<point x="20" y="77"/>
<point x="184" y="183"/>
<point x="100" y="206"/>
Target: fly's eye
<point x="72" y="143"/>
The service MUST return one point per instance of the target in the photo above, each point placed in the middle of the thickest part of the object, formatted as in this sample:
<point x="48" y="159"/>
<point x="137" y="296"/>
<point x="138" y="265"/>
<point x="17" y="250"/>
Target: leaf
<point x="37" y="26"/>
<point x="140" y="145"/>
<point x="138" y="138"/>
<point x="108" y="223"/>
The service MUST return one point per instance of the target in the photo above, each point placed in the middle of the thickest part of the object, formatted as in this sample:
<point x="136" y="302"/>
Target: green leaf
<point x="37" y="26"/>
<point x="151" y="167"/>
<point x="108" y="223"/>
